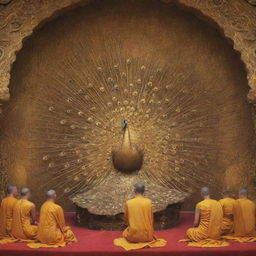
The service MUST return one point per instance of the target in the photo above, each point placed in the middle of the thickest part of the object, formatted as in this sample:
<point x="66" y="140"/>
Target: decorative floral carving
<point x="5" y="2"/>
<point x="252" y="96"/>
<point x="19" y="18"/>
<point x="252" y="2"/>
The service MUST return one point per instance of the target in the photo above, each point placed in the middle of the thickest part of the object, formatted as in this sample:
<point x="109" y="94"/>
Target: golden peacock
<point x="107" y="121"/>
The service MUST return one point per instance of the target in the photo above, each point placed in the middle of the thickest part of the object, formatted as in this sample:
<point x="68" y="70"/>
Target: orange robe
<point x="52" y="230"/>
<point x="228" y="215"/>
<point x="244" y="221"/>
<point x="6" y="217"/>
<point x="208" y="232"/>
<point x="140" y="232"/>
<point x="21" y="225"/>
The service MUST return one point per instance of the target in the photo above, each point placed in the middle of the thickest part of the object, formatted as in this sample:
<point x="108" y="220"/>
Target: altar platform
<point x="100" y="243"/>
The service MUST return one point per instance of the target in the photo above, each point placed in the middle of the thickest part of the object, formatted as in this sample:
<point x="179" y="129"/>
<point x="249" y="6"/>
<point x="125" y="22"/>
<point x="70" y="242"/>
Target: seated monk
<point x="6" y="215"/>
<point x="139" y="217"/>
<point x="244" y="219"/>
<point x="24" y="218"/>
<point x="227" y="203"/>
<point x="52" y="230"/>
<point x="207" y="224"/>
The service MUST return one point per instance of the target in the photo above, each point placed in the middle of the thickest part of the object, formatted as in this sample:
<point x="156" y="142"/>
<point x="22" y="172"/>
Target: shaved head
<point x="227" y="193"/>
<point x="24" y="191"/>
<point x="243" y="192"/>
<point x="139" y="188"/>
<point x="205" y="191"/>
<point x="11" y="189"/>
<point x="51" y="194"/>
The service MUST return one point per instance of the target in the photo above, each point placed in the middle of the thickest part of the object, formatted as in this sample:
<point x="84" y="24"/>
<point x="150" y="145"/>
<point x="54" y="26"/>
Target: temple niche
<point x="118" y="92"/>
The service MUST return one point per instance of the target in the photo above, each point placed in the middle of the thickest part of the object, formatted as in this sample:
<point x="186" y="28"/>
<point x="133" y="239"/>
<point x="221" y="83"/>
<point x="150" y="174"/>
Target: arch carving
<point x="19" y="18"/>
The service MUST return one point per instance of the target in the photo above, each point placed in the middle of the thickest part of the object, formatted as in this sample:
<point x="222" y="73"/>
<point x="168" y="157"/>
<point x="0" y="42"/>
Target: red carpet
<point x="100" y="243"/>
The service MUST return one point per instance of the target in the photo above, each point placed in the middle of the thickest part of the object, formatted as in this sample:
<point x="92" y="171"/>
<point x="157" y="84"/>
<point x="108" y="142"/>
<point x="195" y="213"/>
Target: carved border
<point x="19" y="18"/>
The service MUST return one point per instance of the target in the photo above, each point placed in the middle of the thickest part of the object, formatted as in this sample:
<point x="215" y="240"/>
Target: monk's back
<point x="21" y="225"/>
<point x="205" y="212"/>
<point x="49" y="227"/>
<point x="140" y="219"/>
<point x="227" y="206"/>
<point x="227" y="225"/>
<point x="210" y="209"/>
<point x="8" y="202"/>
<point x="210" y="221"/>
<point x="244" y="217"/>
<point x="6" y="214"/>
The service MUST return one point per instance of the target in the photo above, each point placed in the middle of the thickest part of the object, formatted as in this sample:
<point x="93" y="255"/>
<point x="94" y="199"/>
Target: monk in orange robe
<point x="24" y="218"/>
<point x="227" y="203"/>
<point x="52" y="230"/>
<point x="6" y="215"/>
<point x="207" y="224"/>
<point x="244" y="219"/>
<point x="140" y="230"/>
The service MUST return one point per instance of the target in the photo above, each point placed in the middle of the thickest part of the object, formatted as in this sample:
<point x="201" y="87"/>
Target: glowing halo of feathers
<point x="80" y="108"/>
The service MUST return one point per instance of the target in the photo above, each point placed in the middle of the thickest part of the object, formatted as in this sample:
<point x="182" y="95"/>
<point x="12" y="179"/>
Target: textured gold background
<point x="170" y="34"/>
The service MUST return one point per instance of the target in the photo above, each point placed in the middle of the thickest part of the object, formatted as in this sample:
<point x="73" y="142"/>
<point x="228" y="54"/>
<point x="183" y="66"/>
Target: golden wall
<point x="183" y="93"/>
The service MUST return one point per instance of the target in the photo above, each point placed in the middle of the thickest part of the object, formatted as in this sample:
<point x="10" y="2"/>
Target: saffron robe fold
<point x="22" y="229"/>
<point x="140" y="232"/>
<point x="6" y="217"/>
<point x="208" y="232"/>
<point x="244" y="221"/>
<point x="228" y="215"/>
<point x="52" y="230"/>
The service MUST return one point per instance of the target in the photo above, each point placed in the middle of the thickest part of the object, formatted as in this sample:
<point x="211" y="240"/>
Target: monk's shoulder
<point x="243" y="200"/>
<point x="9" y="199"/>
<point x="143" y="199"/>
<point x="148" y="201"/>
<point x="14" y="199"/>
<point x="30" y="204"/>
<point x="130" y="201"/>
<point x="57" y="207"/>
<point x="222" y="201"/>
<point x="4" y="200"/>
<point x="16" y="204"/>
<point x="138" y="200"/>
<point x="207" y="203"/>
<point x="200" y="204"/>
<point x="12" y="202"/>
<point x="227" y="201"/>
<point x="250" y="202"/>
<point x="215" y="202"/>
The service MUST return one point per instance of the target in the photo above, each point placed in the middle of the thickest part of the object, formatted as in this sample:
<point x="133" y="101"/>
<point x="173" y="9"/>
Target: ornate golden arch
<point x="19" y="18"/>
